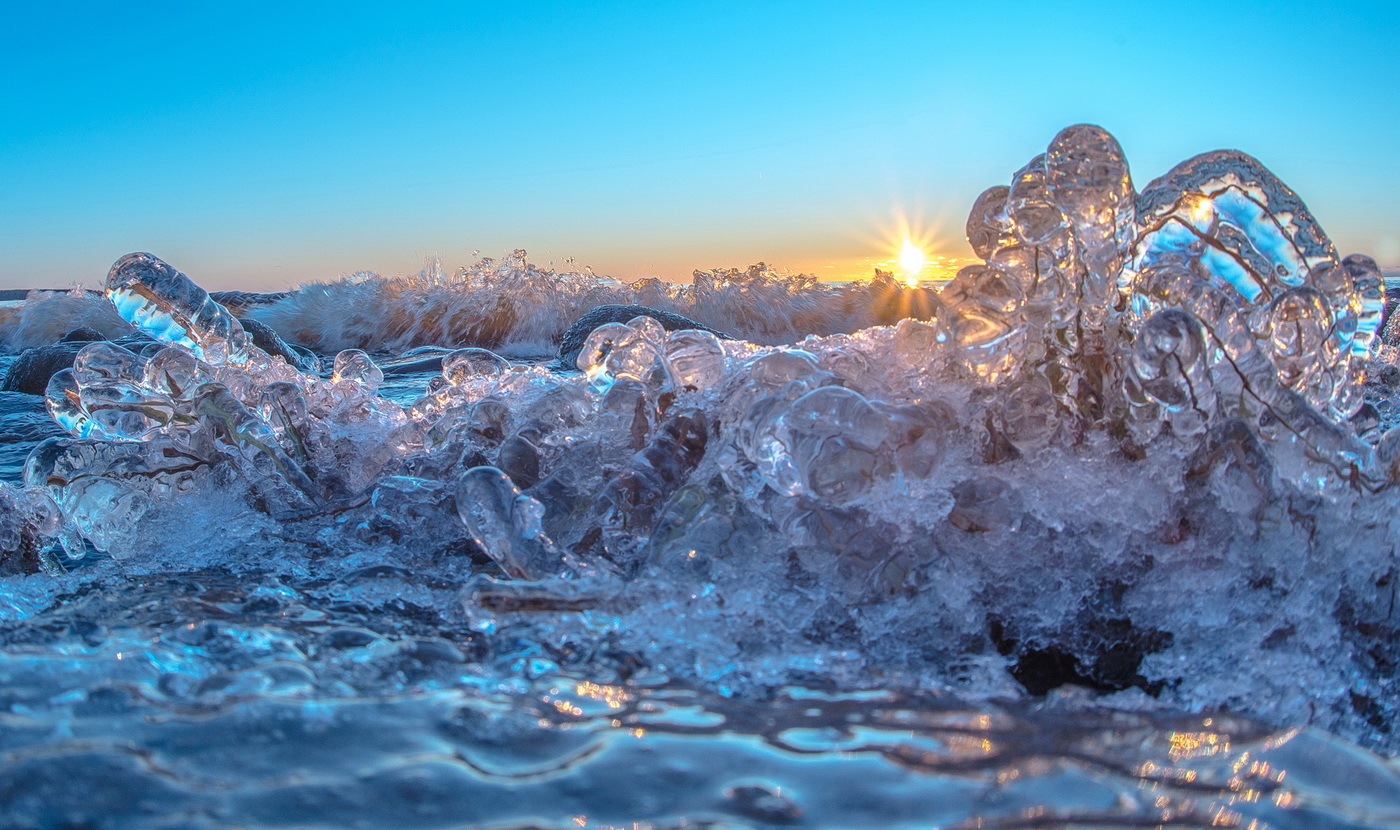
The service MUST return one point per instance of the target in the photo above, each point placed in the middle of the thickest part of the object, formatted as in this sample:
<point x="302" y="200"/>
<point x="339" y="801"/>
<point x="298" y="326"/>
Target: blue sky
<point x="258" y="146"/>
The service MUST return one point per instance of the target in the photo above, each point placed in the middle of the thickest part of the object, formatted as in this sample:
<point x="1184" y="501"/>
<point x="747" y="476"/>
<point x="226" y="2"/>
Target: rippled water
<point x="208" y="698"/>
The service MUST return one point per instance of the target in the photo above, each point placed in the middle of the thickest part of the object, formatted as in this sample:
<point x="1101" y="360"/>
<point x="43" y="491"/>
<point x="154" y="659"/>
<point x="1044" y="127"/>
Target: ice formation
<point x="1130" y="444"/>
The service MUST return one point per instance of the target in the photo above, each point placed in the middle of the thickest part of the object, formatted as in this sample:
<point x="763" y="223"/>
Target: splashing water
<point x="1124" y="452"/>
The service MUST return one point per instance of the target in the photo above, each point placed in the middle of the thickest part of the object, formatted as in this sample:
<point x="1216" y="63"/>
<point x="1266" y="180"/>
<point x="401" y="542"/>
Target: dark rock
<point x="1104" y="655"/>
<point x="31" y="371"/>
<point x="237" y="301"/>
<point x="82" y="334"/>
<point x="267" y="339"/>
<point x="421" y="359"/>
<point x="578" y="333"/>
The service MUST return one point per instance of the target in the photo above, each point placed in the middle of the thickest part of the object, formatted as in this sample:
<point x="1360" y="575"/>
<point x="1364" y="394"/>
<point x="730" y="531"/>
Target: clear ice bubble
<point x="1301" y="339"/>
<point x="464" y="365"/>
<point x="354" y="366"/>
<point x="174" y="372"/>
<point x="1033" y="213"/>
<point x="1169" y="362"/>
<point x="242" y="434"/>
<point x="784" y="368"/>
<point x="282" y="406"/>
<point x="64" y="402"/>
<point x="1029" y="413"/>
<point x="649" y="328"/>
<point x="918" y="435"/>
<point x="592" y="359"/>
<point x="104" y="361"/>
<point x="988" y="227"/>
<point x="103" y="487"/>
<point x="1369" y="287"/>
<point x="1221" y="232"/>
<point x="988" y="325"/>
<point x="1088" y="178"/>
<point x="696" y="358"/>
<point x="109" y="379"/>
<point x="833" y="436"/>
<point x="1169" y="375"/>
<point x="617" y="350"/>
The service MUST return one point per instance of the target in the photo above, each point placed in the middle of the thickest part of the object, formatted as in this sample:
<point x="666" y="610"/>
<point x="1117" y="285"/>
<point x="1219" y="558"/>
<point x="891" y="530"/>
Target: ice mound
<point x="1130" y="450"/>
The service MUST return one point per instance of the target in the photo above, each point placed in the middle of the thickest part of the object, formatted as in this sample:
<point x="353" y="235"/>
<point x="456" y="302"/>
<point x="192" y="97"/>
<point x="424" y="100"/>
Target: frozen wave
<point x="1131" y="450"/>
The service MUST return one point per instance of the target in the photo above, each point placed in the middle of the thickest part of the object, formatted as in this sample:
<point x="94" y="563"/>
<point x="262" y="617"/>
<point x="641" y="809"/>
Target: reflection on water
<point x="204" y="698"/>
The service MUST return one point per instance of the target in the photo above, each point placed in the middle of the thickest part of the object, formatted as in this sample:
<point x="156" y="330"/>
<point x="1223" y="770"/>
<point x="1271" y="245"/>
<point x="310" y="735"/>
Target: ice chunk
<point x="1369" y="286"/>
<point x="988" y="327"/>
<point x="506" y="524"/>
<point x="616" y="350"/>
<point x="833" y="436"/>
<point x="169" y="306"/>
<point x="696" y="358"/>
<point x="1169" y="361"/>
<point x="174" y="372"/>
<point x="1033" y="213"/>
<point x="988" y="227"/>
<point x="64" y="402"/>
<point x="110" y="391"/>
<point x="239" y="432"/>
<point x="1301" y="337"/>
<point x="1220" y="232"/>
<point x="354" y="366"/>
<point x="1030" y="415"/>
<point x="105" y="488"/>
<point x="648" y="328"/>
<point x="1088" y="179"/>
<point x="597" y="348"/>
<point x="464" y="365"/>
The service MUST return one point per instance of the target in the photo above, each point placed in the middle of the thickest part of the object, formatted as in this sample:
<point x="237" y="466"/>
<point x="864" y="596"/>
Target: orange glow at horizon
<point x="917" y="251"/>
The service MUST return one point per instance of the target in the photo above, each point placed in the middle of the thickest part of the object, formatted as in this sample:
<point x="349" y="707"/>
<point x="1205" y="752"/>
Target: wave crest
<point x="516" y="307"/>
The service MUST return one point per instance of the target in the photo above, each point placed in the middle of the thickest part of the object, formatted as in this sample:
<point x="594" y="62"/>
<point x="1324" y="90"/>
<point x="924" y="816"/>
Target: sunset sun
<point x="912" y="260"/>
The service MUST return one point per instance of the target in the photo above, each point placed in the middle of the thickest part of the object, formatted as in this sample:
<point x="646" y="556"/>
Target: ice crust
<point x="1135" y="438"/>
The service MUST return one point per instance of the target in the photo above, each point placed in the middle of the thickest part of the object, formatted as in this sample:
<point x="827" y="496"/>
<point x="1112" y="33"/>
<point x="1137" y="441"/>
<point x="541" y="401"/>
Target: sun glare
<point x="915" y="253"/>
<point x="912" y="260"/>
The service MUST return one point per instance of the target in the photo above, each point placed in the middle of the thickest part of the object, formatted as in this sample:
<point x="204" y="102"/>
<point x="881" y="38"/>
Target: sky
<point x="259" y="146"/>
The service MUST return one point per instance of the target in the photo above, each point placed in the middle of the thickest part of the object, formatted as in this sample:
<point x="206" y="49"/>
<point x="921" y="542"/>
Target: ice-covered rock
<point x="577" y="334"/>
